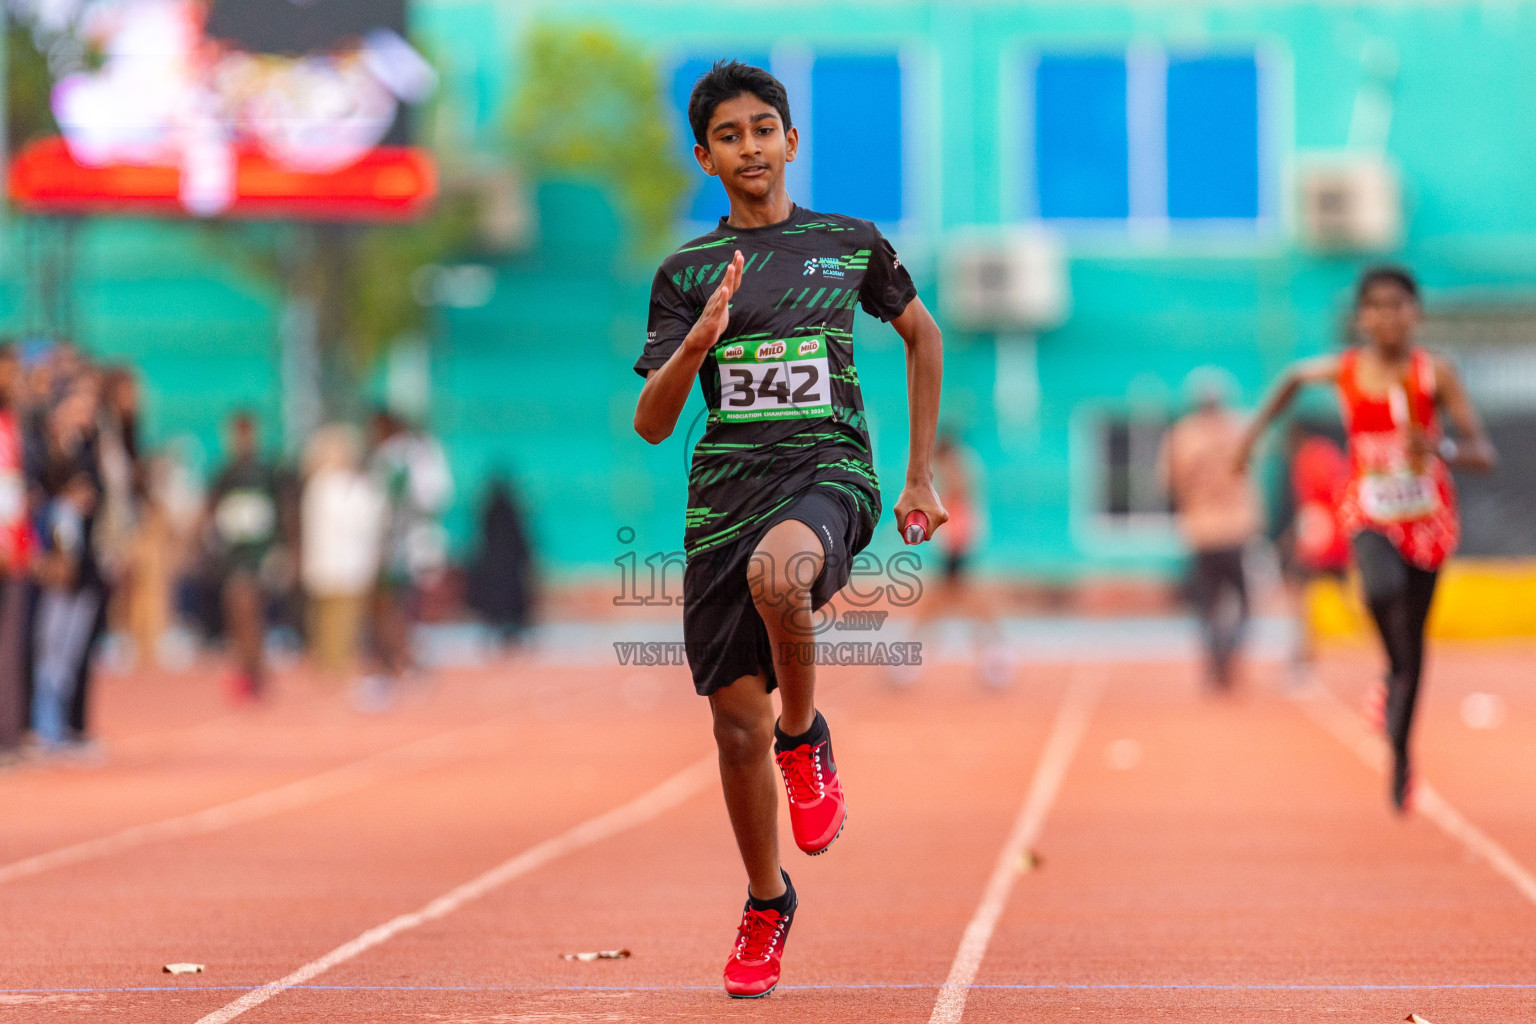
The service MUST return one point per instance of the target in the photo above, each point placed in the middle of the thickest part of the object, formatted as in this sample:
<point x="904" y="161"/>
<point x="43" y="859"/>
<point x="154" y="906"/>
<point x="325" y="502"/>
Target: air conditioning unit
<point x="1349" y="203"/>
<point x="1015" y="281"/>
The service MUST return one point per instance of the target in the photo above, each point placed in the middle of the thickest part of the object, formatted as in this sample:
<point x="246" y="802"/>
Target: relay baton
<point x="915" y="529"/>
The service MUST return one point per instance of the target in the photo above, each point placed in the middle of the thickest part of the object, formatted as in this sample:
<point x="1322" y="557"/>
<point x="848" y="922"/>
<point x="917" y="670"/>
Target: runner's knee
<point x="743" y="718"/>
<point x="785" y="565"/>
<point x="782" y="604"/>
<point x="742" y="739"/>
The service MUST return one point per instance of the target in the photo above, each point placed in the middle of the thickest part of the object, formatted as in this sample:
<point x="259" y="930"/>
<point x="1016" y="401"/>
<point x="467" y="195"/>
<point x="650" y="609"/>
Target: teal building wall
<point x="1146" y="307"/>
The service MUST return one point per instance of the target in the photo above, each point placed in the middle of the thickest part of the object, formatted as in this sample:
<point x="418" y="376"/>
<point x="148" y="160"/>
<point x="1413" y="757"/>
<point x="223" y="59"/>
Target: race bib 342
<point x="768" y="380"/>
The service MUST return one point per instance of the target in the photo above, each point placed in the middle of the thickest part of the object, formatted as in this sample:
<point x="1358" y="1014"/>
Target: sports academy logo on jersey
<point x="826" y="266"/>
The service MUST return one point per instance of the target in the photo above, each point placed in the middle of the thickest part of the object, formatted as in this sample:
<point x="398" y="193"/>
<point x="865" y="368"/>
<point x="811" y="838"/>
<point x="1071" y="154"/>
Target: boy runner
<point x="243" y="526"/>
<point x="782" y="493"/>
<point x="1399" y="507"/>
<point x="1218" y="515"/>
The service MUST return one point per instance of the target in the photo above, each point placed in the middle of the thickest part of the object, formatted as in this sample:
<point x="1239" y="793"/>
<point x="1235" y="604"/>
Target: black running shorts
<point x="722" y="630"/>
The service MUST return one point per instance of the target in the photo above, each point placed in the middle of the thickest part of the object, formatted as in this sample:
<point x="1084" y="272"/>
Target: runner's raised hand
<point x="717" y="312"/>
<point x="921" y="498"/>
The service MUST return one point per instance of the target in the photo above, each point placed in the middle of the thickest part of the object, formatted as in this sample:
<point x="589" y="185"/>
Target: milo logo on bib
<point x="778" y="379"/>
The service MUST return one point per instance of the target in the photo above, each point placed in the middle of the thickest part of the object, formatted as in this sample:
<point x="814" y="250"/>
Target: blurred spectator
<point x="118" y="517"/>
<point x="342" y="521"/>
<point x="15" y="548"/>
<point x="68" y="364"/>
<point x="1218" y="514"/>
<point x="411" y="471"/>
<point x="501" y="573"/>
<point x="117" y="430"/>
<point x="146" y="594"/>
<point x="37" y="395"/>
<point x="65" y="478"/>
<point x="242" y="534"/>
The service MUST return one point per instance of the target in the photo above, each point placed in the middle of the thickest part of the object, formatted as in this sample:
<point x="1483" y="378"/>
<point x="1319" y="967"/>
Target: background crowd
<point x="340" y="552"/>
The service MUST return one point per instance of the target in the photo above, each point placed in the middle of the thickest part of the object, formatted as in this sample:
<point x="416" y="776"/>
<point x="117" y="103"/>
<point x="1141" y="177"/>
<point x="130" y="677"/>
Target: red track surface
<point x="1246" y="864"/>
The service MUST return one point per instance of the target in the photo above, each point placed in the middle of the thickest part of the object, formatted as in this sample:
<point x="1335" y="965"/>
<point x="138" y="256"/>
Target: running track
<point x="430" y="864"/>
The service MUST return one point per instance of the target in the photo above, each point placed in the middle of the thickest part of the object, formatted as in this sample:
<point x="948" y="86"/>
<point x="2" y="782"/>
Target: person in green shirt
<point x="243" y="531"/>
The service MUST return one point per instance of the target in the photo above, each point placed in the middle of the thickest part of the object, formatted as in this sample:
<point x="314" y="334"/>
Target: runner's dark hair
<point x="1386" y="274"/>
<point x="726" y="80"/>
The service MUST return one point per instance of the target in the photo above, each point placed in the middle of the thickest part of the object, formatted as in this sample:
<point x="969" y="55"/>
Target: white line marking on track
<point x="1066" y="734"/>
<point x="643" y="808"/>
<point x="347" y="778"/>
<point x="1324" y="707"/>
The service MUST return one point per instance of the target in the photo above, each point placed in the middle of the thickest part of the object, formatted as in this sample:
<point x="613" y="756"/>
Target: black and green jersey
<point x="785" y="411"/>
<point x="245" y="515"/>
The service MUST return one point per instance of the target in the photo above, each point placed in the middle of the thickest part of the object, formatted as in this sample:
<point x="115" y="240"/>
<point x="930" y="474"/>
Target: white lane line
<point x="1066" y="734"/>
<point x="347" y="778"/>
<point x="1434" y="807"/>
<point x="1323" y="706"/>
<point x="643" y="808"/>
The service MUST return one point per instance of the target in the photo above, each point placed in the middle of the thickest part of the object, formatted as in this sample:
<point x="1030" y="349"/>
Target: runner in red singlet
<point x="1399" y="507"/>
<point x="1319" y="474"/>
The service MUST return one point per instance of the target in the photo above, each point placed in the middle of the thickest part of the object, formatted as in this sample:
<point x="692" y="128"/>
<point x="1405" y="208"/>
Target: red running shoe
<point x="241" y="689"/>
<point x="1373" y="705"/>
<point x="753" y="969"/>
<point x="817" y="808"/>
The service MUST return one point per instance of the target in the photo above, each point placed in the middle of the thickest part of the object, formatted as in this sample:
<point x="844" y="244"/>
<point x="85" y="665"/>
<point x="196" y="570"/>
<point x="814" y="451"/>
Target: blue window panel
<point x="708" y="202"/>
<point x="1082" y="151"/>
<point x="1213" y="138"/>
<point x="857" y="147"/>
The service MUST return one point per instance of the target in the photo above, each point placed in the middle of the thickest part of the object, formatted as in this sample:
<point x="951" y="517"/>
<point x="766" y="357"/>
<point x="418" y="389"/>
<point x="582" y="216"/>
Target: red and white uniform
<point x="1319" y="476"/>
<point x="1413" y="506"/>
<point x="15" y="527"/>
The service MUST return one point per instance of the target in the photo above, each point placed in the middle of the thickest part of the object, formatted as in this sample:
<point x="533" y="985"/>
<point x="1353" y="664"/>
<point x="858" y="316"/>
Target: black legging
<point x="1399" y="596"/>
<point x="1218" y="572"/>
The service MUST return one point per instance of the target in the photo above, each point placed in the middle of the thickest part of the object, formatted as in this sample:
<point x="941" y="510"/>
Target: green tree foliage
<point x="357" y="277"/>
<point x="379" y="298"/>
<point x="28" y="89"/>
<point x="591" y="106"/>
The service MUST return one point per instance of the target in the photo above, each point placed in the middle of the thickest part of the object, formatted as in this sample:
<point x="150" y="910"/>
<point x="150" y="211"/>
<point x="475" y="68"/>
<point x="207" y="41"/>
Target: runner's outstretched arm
<point x="1473" y="451"/>
<point x="1299" y="374"/>
<point x="666" y="389"/>
<point x="925" y="378"/>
